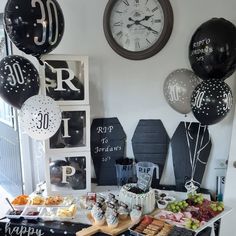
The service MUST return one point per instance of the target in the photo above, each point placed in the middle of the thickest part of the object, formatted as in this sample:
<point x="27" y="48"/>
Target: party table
<point x="60" y="228"/>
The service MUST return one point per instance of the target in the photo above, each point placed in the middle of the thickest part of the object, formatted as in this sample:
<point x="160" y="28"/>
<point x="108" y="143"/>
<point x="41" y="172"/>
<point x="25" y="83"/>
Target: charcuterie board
<point x="122" y="227"/>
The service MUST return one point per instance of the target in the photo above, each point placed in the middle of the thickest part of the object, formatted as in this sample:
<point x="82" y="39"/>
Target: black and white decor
<point x="66" y="79"/>
<point x="68" y="173"/>
<point x="74" y="132"/>
<point x="68" y="158"/>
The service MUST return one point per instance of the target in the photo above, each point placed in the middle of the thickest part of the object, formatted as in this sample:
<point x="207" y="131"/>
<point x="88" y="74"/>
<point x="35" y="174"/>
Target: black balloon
<point x="19" y="80"/>
<point x="212" y="50"/>
<point x="36" y="27"/>
<point x="211" y="101"/>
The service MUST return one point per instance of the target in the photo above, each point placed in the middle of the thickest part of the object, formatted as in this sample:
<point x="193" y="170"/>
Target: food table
<point x="72" y="227"/>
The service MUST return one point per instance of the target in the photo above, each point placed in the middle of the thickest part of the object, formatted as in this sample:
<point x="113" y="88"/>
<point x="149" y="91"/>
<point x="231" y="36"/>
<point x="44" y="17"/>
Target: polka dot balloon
<point x="178" y="88"/>
<point x="40" y="117"/>
<point x="19" y="80"/>
<point x="211" y="101"/>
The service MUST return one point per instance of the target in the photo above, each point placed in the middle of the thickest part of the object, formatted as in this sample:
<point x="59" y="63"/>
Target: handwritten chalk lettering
<point x="200" y="58"/>
<point x="22" y="230"/>
<point x="104" y="130"/>
<point x="106" y="159"/>
<point x="228" y="101"/>
<point x="107" y="149"/>
<point x="104" y="140"/>
<point x="202" y="51"/>
<point x="201" y="43"/>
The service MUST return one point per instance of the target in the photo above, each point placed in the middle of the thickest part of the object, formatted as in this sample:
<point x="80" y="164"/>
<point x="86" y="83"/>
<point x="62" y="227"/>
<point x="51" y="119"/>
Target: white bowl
<point x="169" y="199"/>
<point x="162" y="204"/>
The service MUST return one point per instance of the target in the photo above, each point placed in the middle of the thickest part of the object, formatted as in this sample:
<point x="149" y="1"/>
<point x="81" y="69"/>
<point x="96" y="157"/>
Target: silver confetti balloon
<point x="178" y="88"/>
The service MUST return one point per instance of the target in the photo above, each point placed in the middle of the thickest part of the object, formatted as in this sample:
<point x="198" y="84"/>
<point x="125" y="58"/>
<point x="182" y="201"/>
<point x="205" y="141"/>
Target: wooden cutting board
<point x="122" y="227"/>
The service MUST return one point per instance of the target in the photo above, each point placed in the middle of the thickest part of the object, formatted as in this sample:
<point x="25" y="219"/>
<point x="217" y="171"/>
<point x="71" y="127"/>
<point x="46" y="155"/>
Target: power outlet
<point x="220" y="164"/>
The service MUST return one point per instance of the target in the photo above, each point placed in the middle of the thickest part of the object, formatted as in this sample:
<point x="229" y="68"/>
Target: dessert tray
<point x="122" y="227"/>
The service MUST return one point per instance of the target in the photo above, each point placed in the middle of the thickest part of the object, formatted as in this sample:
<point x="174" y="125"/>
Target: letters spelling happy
<point x="22" y="230"/>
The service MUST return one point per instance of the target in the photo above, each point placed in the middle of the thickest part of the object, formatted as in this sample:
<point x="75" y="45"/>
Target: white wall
<point x="132" y="90"/>
<point x="2" y="5"/>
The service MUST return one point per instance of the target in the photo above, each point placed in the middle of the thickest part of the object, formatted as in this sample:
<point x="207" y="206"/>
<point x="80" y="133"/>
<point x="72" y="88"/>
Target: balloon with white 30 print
<point x="178" y="88"/>
<point x="211" y="101"/>
<point x="40" y="117"/>
<point x="19" y="80"/>
<point x="36" y="27"/>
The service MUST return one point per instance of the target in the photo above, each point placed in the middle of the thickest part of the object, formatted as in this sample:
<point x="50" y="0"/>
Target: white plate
<point x="29" y="209"/>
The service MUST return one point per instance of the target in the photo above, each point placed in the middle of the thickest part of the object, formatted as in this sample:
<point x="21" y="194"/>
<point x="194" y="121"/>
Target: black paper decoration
<point x="108" y="141"/>
<point x="195" y="134"/>
<point x="150" y="142"/>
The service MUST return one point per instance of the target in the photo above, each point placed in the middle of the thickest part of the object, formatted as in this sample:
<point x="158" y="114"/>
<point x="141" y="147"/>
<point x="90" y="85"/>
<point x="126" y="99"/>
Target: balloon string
<point x="198" y="152"/>
<point x="39" y="60"/>
<point x="188" y="142"/>
<point x="201" y="148"/>
<point x="43" y="63"/>
<point x="195" y="158"/>
<point x="51" y="67"/>
<point x="195" y="152"/>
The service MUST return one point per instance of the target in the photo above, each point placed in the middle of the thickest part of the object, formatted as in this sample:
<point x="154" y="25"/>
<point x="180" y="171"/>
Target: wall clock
<point x="137" y="29"/>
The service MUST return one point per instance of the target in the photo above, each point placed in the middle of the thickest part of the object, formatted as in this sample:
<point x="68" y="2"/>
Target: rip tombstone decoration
<point x="108" y="141"/>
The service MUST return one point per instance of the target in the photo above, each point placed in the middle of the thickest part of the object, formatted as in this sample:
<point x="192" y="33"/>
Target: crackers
<point x="154" y="228"/>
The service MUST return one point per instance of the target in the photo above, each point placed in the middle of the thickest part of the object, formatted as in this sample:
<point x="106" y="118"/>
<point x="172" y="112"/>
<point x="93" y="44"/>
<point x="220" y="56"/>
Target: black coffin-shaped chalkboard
<point x="108" y="141"/>
<point x="191" y="146"/>
<point x="150" y="142"/>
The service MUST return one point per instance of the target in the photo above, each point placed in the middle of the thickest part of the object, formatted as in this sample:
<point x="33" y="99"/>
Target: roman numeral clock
<point x="137" y="29"/>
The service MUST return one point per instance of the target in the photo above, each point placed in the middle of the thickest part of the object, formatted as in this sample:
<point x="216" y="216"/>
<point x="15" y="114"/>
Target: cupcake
<point x="99" y="218"/>
<point x="136" y="213"/>
<point x="110" y="209"/>
<point x="123" y="211"/>
<point x="112" y="220"/>
<point x="97" y="207"/>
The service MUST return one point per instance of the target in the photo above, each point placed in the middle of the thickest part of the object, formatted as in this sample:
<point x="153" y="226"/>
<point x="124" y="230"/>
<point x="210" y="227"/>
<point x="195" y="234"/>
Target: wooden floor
<point x="3" y="204"/>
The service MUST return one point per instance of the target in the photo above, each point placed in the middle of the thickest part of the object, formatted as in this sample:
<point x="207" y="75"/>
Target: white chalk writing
<point x="22" y="230"/>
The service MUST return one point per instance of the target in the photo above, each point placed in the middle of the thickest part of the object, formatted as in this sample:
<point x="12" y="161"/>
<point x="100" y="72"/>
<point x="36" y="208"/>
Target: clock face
<point x="137" y="29"/>
<point x="136" y="24"/>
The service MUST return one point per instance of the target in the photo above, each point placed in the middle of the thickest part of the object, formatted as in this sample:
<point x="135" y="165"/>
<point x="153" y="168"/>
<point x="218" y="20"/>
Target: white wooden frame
<point x="55" y="190"/>
<point x="69" y="58"/>
<point x="85" y="148"/>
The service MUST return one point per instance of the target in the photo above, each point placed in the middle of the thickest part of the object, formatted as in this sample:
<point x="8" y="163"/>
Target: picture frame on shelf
<point x="74" y="132"/>
<point x="66" y="79"/>
<point x="68" y="173"/>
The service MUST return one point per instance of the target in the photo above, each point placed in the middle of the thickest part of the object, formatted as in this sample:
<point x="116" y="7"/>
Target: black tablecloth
<point x="53" y="228"/>
<point x="41" y="228"/>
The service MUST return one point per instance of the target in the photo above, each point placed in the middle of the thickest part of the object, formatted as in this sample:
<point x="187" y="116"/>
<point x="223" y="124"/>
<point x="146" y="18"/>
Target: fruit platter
<point x="194" y="213"/>
<point x="47" y="208"/>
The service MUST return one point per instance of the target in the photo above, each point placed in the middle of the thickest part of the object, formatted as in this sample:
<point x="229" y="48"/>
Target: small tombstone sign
<point x="150" y="143"/>
<point x="107" y="145"/>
